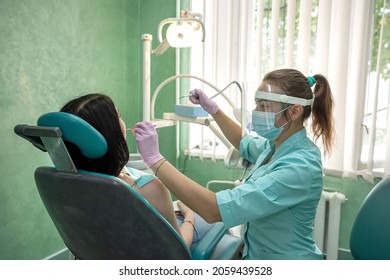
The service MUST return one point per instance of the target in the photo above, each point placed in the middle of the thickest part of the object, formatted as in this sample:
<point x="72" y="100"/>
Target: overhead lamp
<point x="182" y="32"/>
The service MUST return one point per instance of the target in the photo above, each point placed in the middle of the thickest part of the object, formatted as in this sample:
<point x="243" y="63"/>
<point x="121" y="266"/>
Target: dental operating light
<point x="182" y="32"/>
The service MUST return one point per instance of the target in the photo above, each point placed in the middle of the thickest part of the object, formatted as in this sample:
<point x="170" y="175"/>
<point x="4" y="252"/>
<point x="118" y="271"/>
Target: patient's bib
<point x="140" y="178"/>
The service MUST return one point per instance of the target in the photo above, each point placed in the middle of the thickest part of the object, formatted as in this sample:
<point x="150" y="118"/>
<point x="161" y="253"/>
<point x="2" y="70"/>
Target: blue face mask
<point x="264" y="124"/>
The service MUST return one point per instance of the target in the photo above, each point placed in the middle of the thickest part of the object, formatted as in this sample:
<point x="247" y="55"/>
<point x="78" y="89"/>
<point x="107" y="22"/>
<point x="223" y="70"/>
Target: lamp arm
<point x="161" y="48"/>
<point x="147" y="50"/>
<point x="166" y="81"/>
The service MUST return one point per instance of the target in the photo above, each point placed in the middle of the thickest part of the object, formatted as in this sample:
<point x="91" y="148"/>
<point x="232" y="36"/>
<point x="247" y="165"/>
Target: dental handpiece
<point x="194" y="95"/>
<point x="197" y="96"/>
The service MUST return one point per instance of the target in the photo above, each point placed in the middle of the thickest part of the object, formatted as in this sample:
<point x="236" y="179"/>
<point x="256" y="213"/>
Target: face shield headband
<point x="273" y="93"/>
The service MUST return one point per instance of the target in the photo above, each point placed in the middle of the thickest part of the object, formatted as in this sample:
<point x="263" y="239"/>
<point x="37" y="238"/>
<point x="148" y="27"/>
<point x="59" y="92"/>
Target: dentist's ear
<point x="296" y="112"/>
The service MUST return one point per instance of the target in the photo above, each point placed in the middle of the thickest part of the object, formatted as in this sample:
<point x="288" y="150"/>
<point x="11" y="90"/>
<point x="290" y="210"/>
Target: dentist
<point x="277" y="202"/>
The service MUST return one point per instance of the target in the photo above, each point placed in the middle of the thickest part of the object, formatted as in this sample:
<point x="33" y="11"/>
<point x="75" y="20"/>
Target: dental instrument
<point x="132" y="128"/>
<point x="197" y="97"/>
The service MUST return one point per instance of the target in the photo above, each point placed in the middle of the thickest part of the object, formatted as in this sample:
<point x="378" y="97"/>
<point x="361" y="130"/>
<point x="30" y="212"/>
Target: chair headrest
<point x="74" y="129"/>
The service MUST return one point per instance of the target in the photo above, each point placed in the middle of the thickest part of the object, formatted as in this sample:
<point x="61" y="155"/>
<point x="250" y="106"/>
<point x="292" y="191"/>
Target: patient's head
<point x="100" y="112"/>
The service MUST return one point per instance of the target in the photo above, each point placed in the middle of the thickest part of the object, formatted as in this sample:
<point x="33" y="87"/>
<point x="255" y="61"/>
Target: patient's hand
<point x="186" y="212"/>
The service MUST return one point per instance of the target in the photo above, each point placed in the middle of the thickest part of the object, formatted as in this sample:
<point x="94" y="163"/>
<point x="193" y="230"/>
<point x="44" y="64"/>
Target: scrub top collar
<point x="289" y="142"/>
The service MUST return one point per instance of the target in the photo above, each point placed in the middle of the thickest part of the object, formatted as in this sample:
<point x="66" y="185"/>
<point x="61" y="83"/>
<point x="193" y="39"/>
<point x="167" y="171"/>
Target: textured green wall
<point x="50" y="52"/>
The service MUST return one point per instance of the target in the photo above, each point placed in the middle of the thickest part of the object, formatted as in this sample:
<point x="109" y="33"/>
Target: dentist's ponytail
<point x="322" y="113"/>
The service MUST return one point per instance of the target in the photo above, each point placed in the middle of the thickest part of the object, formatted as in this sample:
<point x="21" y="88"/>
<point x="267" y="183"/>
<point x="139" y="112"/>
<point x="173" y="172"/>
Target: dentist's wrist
<point x="212" y="108"/>
<point x="157" y="166"/>
<point x="151" y="160"/>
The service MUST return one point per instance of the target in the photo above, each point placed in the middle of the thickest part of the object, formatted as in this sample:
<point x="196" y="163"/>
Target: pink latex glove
<point x="197" y="96"/>
<point x="147" y="142"/>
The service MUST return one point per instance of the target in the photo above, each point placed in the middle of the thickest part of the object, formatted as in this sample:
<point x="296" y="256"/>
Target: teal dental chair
<point x="370" y="235"/>
<point x="100" y="216"/>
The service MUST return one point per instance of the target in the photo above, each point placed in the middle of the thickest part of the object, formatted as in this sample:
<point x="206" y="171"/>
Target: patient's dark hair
<point x="100" y="112"/>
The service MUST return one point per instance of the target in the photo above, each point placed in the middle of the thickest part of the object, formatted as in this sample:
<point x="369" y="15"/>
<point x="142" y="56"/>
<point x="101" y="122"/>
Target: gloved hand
<point x="197" y="96"/>
<point x="147" y="142"/>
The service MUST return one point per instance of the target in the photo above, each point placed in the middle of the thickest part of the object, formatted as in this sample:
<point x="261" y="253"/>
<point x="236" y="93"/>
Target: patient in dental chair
<point x="99" y="111"/>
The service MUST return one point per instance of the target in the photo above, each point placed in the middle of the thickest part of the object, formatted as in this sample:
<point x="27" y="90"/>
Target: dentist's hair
<point x="100" y="112"/>
<point x="294" y="83"/>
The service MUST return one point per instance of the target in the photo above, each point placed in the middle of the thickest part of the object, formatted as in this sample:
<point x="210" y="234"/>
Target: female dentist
<point x="277" y="202"/>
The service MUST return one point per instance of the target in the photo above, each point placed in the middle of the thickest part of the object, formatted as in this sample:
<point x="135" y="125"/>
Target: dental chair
<point x="370" y="235"/>
<point x="99" y="216"/>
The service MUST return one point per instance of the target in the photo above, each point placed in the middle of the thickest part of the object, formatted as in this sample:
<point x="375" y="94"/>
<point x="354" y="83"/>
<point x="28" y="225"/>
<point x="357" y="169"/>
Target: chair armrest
<point x="230" y="247"/>
<point x="206" y="246"/>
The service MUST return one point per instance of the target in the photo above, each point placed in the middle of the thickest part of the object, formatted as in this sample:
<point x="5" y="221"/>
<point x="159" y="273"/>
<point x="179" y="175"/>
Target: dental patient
<point x="100" y="112"/>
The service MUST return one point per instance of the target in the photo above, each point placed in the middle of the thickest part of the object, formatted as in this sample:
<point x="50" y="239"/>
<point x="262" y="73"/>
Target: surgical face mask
<point x="264" y="124"/>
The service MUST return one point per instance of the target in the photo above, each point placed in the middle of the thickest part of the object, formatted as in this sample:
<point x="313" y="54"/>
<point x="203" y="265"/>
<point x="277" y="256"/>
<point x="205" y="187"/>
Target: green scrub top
<point x="277" y="203"/>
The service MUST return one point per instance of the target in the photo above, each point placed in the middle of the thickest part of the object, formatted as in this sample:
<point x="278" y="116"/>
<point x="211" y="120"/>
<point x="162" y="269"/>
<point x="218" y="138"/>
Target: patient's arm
<point x="198" y="198"/>
<point x="159" y="197"/>
<point x="188" y="226"/>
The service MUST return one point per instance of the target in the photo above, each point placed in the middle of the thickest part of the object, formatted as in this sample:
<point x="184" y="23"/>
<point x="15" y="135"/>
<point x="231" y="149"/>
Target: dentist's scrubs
<point x="277" y="203"/>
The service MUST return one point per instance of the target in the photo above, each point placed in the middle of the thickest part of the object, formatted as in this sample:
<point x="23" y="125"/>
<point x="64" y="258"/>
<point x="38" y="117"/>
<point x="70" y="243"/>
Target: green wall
<point x="50" y="52"/>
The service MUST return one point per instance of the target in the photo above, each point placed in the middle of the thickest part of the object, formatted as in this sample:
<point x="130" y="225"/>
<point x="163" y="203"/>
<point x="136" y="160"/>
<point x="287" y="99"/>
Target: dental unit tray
<point x="190" y="110"/>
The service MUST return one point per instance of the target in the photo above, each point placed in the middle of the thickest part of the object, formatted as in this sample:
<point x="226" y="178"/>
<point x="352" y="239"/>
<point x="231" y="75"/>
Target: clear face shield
<point x="267" y="92"/>
<point x="271" y="102"/>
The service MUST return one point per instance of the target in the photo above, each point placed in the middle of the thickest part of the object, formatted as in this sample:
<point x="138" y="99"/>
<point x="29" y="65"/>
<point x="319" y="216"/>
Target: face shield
<point x="271" y="102"/>
<point x="269" y="92"/>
